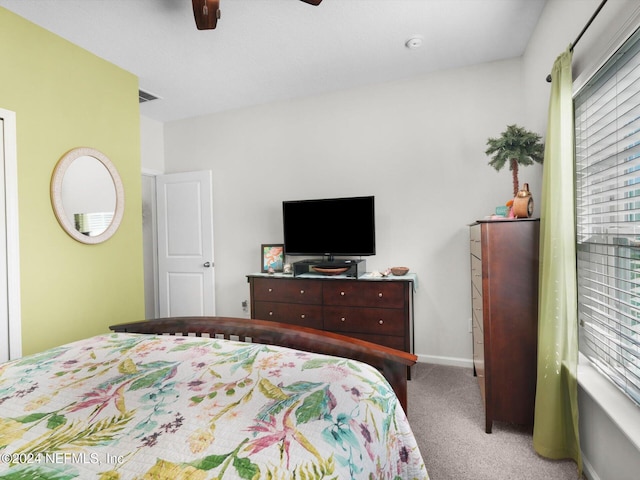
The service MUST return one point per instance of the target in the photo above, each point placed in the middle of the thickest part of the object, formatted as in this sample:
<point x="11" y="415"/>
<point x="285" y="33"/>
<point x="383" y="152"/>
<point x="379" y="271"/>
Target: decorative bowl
<point x="399" y="271"/>
<point x="330" y="271"/>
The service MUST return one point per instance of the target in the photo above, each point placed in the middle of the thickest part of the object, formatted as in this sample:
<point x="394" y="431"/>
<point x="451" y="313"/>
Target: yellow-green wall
<point x="66" y="97"/>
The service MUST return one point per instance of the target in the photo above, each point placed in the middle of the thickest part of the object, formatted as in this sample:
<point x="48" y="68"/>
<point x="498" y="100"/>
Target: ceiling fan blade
<point x="206" y="13"/>
<point x="312" y="2"/>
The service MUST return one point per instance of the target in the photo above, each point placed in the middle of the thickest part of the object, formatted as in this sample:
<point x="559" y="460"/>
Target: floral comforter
<point x="127" y="406"/>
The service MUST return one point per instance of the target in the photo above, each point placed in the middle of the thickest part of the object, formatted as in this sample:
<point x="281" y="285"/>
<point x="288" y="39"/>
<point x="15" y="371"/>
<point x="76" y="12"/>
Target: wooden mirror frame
<point x="56" y="194"/>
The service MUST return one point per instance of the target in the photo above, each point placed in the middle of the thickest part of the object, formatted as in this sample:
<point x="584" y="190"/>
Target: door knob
<point x="207" y="264"/>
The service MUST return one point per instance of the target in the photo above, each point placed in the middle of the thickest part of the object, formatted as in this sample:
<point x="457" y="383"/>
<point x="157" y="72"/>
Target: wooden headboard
<point x="392" y="363"/>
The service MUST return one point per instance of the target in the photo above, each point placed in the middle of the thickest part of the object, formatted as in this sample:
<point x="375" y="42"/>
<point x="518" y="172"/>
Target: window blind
<point x="607" y="135"/>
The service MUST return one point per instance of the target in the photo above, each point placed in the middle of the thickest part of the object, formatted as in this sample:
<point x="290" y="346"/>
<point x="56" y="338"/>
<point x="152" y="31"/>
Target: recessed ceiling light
<point x="414" y="42"/>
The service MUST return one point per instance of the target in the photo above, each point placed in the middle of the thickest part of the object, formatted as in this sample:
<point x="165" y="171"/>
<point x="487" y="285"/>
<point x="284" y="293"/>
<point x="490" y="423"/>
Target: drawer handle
<point x="301" y="292"/>
<point x="342" y="293"/>
<point x="302" y="316"/>
<point x="380" y="295"/>
<point x="271" y="314"/>
<point x="343" y="319"/>
<point x="380" y="321"/>
<point x="270" y="290"/>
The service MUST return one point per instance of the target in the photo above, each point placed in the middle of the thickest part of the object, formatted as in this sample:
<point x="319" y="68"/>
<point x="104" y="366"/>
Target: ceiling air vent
<point x="145" y="96"/>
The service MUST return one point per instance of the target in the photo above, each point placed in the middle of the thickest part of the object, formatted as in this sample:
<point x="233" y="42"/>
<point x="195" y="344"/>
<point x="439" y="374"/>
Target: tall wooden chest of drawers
<point x="379" y="311"/>
<point x="504" y="299"/>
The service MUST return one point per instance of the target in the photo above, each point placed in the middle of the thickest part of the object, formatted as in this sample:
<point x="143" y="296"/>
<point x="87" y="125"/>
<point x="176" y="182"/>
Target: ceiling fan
<point x="207" y="12"/>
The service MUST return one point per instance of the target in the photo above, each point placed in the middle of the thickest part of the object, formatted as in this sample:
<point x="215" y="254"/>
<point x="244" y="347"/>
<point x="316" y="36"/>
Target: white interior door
<point x="10" y="313"/>
<point x="186" y="270"/>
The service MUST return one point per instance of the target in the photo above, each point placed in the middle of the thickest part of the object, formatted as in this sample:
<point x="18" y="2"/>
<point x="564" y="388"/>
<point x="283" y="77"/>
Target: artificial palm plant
<point x="517" y="147"/>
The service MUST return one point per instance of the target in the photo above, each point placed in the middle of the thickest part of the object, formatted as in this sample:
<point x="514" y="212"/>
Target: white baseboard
<point x="451" y="361"/>
<point x="587" y="469"/>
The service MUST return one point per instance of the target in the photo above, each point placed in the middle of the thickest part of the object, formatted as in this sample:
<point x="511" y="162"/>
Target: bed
<point x="131" y="405"/>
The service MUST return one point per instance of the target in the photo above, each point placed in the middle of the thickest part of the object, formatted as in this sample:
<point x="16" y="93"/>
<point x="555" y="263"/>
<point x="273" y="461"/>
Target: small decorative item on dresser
<point x="272" y="258"/>
<point x="502" y="211"/>
<point x="516" y="147"/>
<point x="523" y="203"/>
<point x="399" y="271"/>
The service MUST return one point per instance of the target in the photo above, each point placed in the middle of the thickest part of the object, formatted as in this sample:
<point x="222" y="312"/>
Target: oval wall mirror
<point x="87" y="195"/>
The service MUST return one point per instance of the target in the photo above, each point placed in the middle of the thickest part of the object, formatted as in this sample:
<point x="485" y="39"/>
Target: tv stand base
<point x="354" y="268"/>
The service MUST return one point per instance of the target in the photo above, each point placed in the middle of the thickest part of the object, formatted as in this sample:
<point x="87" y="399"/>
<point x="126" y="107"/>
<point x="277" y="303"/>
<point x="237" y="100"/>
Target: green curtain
<point x="555" y="431"/>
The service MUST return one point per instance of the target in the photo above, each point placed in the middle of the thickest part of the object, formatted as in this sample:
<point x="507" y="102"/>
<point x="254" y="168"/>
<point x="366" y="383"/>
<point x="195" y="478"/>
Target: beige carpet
<point x="447" y="417"/>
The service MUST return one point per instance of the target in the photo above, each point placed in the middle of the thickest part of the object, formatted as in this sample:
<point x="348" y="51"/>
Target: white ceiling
<point x="270" y="50"/>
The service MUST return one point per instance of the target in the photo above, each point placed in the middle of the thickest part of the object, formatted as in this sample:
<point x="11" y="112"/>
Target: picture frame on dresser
<point x="271" y="257"/>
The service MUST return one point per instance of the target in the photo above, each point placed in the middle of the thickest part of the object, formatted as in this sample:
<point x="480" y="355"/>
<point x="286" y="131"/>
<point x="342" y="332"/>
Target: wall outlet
<point x="470" y="325"/>
<point x="245" y="307"/>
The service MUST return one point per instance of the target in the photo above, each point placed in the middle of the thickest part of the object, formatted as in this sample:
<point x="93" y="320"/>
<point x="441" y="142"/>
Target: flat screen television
<point x="330" y="227"/>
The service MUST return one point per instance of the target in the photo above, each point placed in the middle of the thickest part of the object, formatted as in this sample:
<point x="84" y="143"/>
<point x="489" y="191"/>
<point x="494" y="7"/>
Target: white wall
<point x="152" y="159"/>
<point x="417" y="145"/>
<point x="151" y="145"/>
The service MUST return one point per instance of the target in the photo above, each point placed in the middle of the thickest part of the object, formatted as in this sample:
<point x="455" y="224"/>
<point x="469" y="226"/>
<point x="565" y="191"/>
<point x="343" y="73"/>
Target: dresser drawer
<point x="287" y="291"/>
<point x="476" y="274"/>
<point x="478" y="348"/>
<point x="303" y="315"/>
<point x="474" y="240"/>
<point x="366" y="294"/>
<point x="477" y="306"/>
<point x="478" y="358"/>
<point x="386" y="340"/>
<point x="379" y="321"/>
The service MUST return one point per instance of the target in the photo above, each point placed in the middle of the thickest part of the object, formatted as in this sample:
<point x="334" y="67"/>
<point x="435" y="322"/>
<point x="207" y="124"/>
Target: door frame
<point x="14" y="310"/>
<point x="151" y="244"/>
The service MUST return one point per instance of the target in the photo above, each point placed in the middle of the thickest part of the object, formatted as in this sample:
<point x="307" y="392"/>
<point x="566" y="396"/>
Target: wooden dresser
<point x="379" y="311"/>
<point x="504" y="295"/>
